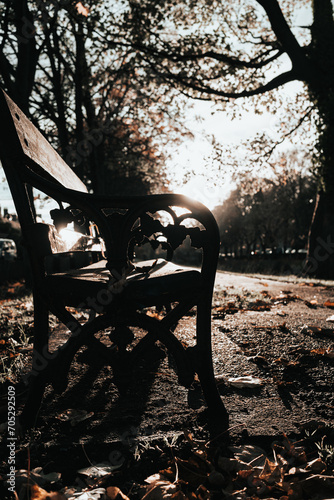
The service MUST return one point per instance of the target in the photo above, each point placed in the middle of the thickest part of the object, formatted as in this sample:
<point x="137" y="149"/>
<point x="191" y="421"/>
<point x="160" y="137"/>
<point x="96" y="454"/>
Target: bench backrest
<point x="22" y="144"/>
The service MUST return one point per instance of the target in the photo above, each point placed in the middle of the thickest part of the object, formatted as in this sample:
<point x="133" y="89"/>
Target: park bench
<point x="100" y="274"/>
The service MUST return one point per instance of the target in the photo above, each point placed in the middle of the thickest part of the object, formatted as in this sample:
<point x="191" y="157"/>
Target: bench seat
<point x="152" y="282"/>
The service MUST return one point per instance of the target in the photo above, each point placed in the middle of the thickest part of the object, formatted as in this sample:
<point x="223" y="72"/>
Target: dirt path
<point x="288" y="346"/>
<point x="271" y="330"/>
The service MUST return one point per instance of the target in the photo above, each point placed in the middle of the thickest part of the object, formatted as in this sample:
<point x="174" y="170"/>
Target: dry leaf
<point x="317" y="466"/>
<point x="312" y="304"/>
<point x="259" y="305"/>
<point x="99" y="470"/>
<point x="249" y="454"/>
<point x="194" y="470"/>
<point x="159" y="488"/>
<point x="248" y="381"/>
<point x="271" y="473"/>
<point x="232" y="464"/>
<point x="115" y="493"/>
<point x="154" y="314"/>
<point x="37" y="493"/>
<point x="96" y="494"/>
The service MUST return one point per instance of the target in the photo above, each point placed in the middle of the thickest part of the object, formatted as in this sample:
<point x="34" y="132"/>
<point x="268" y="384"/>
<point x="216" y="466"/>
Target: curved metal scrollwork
<point x="169" y="237"/>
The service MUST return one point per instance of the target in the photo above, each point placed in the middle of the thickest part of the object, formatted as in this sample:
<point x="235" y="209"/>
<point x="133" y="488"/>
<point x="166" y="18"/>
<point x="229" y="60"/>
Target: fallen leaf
<point x="96" y="494"/>
<point x="232" y="464"/>
<point x="312" y="304"/>
<point x="115" y="493"/>
<point x="159" y="488"/>
<point x="216" y="479"/>
<point x="247" y="381"/>
<point x="194" y="470"/>
<point x="37" y="493"/>
<point x="271" y="473"/>
<point x="317" y="466"/>
<point x="154" y="314"/>
<point x="329" y="304"/>
<point x="251" y="455"/>
<point x="99" y="470"/>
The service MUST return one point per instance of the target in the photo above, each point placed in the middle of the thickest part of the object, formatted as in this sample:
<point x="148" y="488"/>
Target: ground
<point x="278" y="334"/>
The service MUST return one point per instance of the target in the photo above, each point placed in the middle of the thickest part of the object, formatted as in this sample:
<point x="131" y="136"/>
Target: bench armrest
<point x="133" y="219"/>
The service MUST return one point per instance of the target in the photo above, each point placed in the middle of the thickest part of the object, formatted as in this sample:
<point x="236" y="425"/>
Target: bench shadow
<point x="118" y="402"/>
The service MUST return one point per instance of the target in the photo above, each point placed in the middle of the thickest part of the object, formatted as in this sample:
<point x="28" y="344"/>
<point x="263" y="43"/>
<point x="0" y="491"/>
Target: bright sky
<point x="192" y="155"/>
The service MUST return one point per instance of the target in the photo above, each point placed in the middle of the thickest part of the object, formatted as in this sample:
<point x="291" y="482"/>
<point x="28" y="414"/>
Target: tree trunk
<point x="320" y="257"/>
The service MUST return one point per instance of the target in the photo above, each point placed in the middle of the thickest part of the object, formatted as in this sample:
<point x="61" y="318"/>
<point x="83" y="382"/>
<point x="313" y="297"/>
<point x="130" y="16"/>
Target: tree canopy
<point x="89" y="93"/>
<point x="243" y="52"/>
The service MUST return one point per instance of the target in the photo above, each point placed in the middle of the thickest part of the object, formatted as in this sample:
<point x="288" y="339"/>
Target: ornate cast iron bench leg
<point x="36" y="378"/>
<point x="204" y="364"/>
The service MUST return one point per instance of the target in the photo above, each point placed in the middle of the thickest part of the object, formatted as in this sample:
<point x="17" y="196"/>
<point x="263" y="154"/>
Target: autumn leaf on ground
<point x="38" y="493"/>
<point x="271" y="473"/>
<point x="285" y="298"/>
<point x="248" y="381"/>
<point x="312" y="304"/>
<point x="259" y="305"/>
<point x="99" y="470"/>
<point x="194" y="471"/>
<point x="159" y="488"/>
<point x="114" y="493"/>
<point x="154" y="314"/>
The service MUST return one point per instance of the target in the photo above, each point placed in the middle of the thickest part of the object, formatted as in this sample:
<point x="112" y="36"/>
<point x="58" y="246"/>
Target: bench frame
<point x="29" y="160"/>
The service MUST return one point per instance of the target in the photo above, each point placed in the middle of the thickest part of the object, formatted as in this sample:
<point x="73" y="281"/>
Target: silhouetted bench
<point x="99" y="273"/>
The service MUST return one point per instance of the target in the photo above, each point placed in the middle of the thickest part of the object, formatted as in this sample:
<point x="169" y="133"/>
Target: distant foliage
<point x="268" y="214"/>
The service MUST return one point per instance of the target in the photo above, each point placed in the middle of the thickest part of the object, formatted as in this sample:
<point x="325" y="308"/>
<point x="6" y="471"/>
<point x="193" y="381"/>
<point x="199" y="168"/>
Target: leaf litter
<point x="286" y="470"/>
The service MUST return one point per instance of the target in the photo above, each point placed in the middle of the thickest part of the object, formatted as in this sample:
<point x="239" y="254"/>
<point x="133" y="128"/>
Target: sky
<point x="194" y="154"/>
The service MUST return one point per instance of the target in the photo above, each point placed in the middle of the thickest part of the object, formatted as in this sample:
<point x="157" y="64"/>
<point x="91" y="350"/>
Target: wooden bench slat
<point x="165" y="283"/>
<point x="33" y="145"/>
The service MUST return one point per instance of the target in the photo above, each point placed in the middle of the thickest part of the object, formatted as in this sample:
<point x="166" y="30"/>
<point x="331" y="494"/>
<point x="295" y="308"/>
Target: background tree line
<point x="271" y="214"/>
